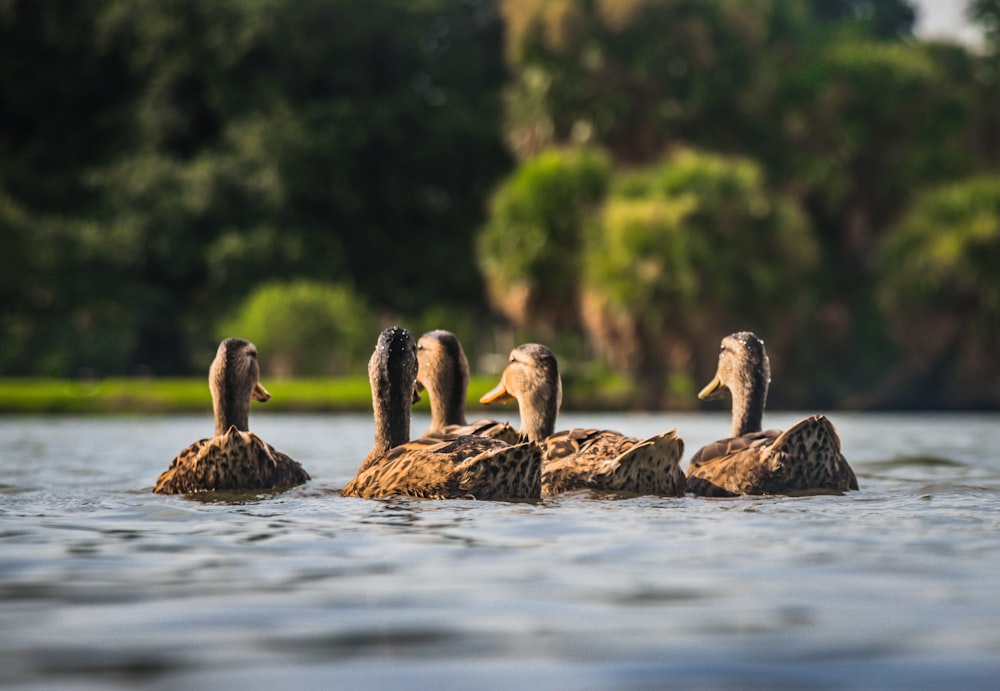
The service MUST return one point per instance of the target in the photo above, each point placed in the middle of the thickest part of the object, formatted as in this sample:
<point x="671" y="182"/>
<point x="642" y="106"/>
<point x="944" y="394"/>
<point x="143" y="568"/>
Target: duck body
<point x="492" y="429"/>
<point x="584" y="458"/>
<point x="805" y="458"/>
<point x="465" y="467"/>
<point x="607" y="460"/>
<point x="443" y="371"/>
<point x="235" y="458"/>
<point x="461" y="467"/>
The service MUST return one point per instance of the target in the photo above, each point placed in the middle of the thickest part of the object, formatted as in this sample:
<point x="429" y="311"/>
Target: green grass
<point x="38" y="396"/>
<point x="585" y="391"/>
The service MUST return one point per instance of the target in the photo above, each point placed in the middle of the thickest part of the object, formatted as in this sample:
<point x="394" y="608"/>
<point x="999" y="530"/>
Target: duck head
<point x="531" y="377"/>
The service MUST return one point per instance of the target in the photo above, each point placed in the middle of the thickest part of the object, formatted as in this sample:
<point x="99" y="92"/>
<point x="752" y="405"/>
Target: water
<point x="105" y="585"/>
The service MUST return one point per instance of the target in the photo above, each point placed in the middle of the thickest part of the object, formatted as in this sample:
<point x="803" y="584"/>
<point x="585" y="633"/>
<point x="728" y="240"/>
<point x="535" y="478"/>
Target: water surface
<point x="104" y="585"/>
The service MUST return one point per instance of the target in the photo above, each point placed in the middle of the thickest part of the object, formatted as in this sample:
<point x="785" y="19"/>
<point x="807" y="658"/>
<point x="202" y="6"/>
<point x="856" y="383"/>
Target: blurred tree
<point x="305" y="328"/>
<point x="879" y="18"/>
<point x="636" y="76"/>
<point x="337" y="140"/>
<point x="529" y="250"/>
<point x="686" y="251"/>
<point x="186" y="151"/>
<point x="985" y="78"/>
<point x="986" y="13"/>
<point x="863" y="124"/>
<point x="63" y="104"/>
<point x="940" y="289"/>
<point x="158" y="160"/>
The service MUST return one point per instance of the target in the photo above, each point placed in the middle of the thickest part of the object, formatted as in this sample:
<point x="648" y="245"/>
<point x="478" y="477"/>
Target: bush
<point x="685" y="252"/>
<point x="306" y="328"/>
<point x="529" y="249"/>
<point x="940" y="290"/>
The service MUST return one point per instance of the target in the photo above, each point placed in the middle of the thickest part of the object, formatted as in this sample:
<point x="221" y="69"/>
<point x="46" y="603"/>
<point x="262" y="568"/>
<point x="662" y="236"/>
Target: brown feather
<point x="584" y="458"/>
<point x="443" y="370"/>
<point x="235" y="458"/>
<point x="233" y="461"/>
<point x="805" y="458"/>
<point x="480" y="428"/>
<point x="462" y="467"/>
<point x="467" y="467"/>
<point x="607" y="460"/>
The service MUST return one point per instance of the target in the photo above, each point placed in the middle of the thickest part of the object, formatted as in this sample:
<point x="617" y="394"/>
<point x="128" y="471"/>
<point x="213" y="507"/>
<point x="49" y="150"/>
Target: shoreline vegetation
<point x="121" y="395"/>
<point x="160" y="396"/>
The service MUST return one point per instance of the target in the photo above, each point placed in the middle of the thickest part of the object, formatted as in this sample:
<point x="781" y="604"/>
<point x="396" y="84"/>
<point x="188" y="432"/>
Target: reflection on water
<point x="103" y="583"/>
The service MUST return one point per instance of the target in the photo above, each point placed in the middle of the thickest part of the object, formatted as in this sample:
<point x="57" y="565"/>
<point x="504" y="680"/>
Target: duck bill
<point x="260" y="393"/>
<point x="417" y="388"/>
<point x="498" y="394"/>
<point x="715" y="389"/>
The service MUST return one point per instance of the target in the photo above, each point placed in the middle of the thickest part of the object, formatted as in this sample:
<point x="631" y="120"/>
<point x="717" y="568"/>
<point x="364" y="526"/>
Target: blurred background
<point x="625" y="180"/>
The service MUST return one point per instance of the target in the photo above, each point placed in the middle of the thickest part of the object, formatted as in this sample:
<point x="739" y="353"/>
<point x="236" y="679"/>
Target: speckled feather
<point x="467" y="467"/>
<point x="443" y="371"/>
<point x="235" y="460"/>
<point x="607" y="460"/>
<point x="492" y="429"/>
<point x="584" y="458"/>
<point x="453" y="468"/>
<point x="804" y="458"/>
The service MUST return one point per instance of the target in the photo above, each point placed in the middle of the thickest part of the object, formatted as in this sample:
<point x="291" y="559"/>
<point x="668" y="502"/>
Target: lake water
<point x="105" y="585"/>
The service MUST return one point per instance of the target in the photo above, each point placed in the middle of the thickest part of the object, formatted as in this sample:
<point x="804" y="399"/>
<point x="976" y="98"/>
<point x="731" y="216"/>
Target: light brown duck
<point x="804" y="458"/>
<point x="583" y="458"/>
<point x="443" y="372"/>
<point x="235" y="458"/>
<point x="465" y="467"/>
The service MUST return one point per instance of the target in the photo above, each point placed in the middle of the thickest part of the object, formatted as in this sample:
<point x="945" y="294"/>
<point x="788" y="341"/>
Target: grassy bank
<point x="149" y="396"/>
<point x="172" y="395"/>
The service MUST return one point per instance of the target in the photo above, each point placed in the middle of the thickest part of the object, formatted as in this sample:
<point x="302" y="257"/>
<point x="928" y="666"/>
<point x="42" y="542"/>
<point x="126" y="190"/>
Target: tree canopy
<point x="642" y="176"/>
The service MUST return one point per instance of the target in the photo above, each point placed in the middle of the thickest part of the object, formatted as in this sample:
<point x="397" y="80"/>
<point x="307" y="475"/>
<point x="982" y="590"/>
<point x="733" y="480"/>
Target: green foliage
<point x="161" y="160"/>
<point x="883" y="18"/>
<point x="305" y="328"/>
<point x="986" y="13"/>
<point x="697" y="239"/>
<point x="697" y="230"/>
<point x="868" y="121"/>
<point x="158" y="396"/>
<point x="532" y="240"/>
<point x="634" y="76"/>
<point x="184" y="152"/>
<point x="944" y="254"/>
<point x="940" y="290"/>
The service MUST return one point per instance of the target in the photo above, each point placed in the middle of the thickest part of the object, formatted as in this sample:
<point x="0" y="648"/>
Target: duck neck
<point x="231" y="409"/>
<point x="391" y="406"/>
<point x="538" y="412"/>
<point x="448" y="403"/>
<point x="749" y="399"/>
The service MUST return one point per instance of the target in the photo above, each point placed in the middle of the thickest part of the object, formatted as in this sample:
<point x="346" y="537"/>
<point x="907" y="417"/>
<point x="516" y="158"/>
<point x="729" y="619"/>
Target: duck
<point x="583" y="458"/>
<point x="443" y="372"/>
<point x="461" y="467"/>
<point x="805" y="458"/>
<point x="235" y="458"/>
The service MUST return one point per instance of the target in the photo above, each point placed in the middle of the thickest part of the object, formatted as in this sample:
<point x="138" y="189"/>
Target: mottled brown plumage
<point x="804" y="458"/>
<point x="443" y="371"/>
<point x="465" y="467"/>
<point x="235" y="458"/>
<point x="584" y="458"/>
